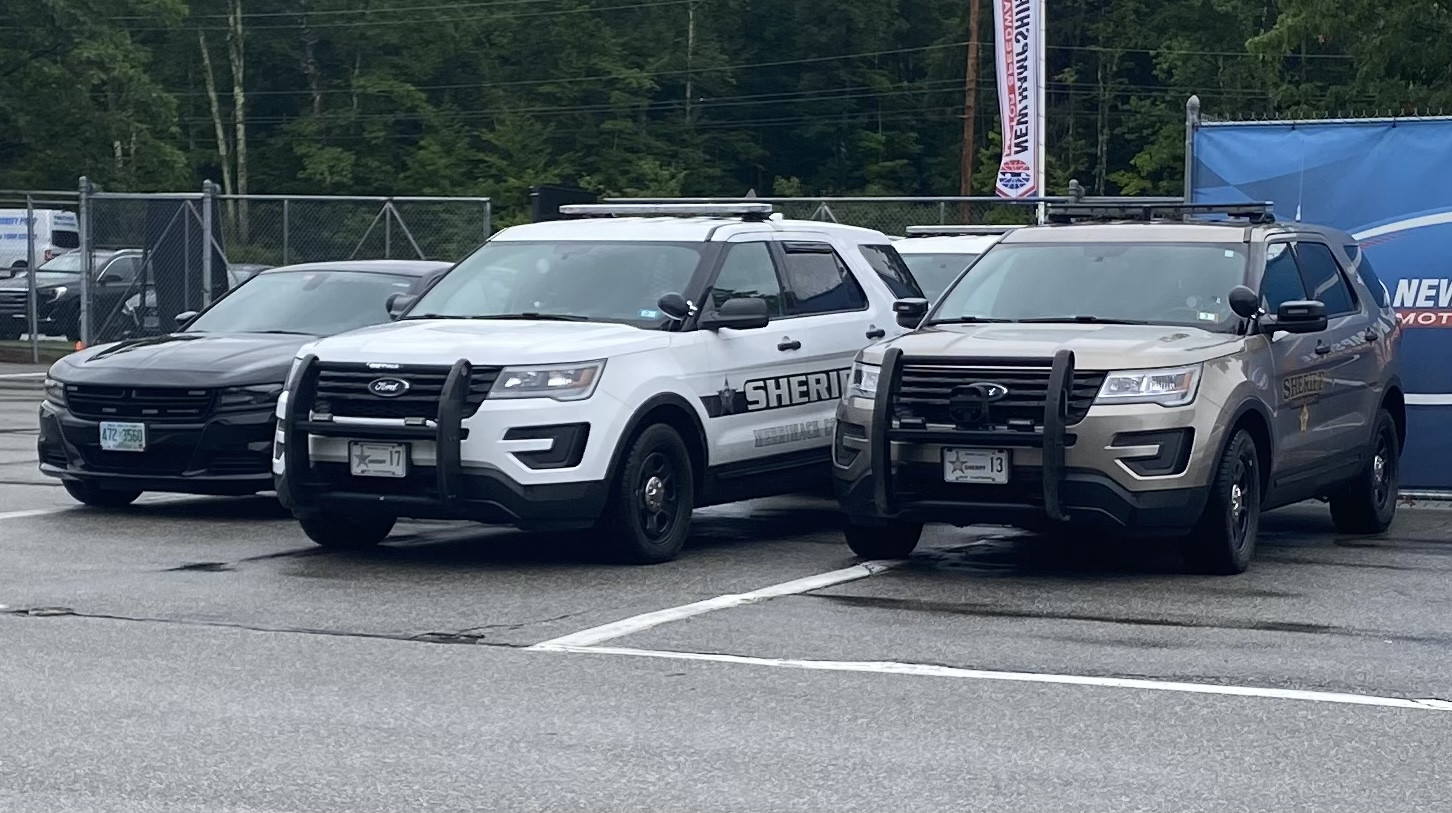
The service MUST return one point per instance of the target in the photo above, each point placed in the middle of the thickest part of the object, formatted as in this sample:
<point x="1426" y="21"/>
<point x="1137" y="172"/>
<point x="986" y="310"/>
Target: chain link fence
<point x="890" y="215"/>
<point x="36" y="227"/>
<point x="153" y="258"/>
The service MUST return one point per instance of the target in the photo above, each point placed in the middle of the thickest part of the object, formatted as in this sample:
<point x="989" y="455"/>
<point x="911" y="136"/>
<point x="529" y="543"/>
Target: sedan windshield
<point x="1138" y="283"/>
<point x="64" y="264"/>
<point x="935" y="272"/>
<point x="319" y="303"/>
<point x="588" y="281"/>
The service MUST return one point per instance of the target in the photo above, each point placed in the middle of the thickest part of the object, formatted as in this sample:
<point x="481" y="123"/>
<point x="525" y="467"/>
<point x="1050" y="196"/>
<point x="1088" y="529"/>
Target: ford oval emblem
<point x="994" y="392"/>
<point x="388" y="387"/>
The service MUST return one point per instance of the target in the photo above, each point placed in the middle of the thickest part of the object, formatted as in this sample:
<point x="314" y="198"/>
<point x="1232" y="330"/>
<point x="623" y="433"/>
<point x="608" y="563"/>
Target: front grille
<point x="917" y="481"/>
<point x="162" y="460"/>
<point x="243" y="463"/>
<point x="13" y="300"/>
<point x="53" y="456"/>
<point x="150" y="403"/>
<point x="926" y="386"/>
<point x="343" y="391"/>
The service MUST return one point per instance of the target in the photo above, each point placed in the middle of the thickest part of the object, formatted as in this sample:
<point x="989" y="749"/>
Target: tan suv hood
<point x="1096" y="347"/>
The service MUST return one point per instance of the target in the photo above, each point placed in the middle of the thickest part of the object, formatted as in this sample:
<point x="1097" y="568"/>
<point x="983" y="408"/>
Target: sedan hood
<point x="42" y="280"/>
<point x="185" y="360"/>
<point x="1096" y="347"/>
<point x="491" y="343"/>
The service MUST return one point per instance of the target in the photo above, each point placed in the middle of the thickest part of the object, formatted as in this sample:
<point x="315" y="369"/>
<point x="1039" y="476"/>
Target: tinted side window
<point x="748" y="271"/>
<point x="1373" y="283"/>
<point x="893" y="271"/>
<point x="819" y="282"/>
<point x="1323" y="278"/>
<point x="122" y="271"/>
<point x="1282" y="282"/>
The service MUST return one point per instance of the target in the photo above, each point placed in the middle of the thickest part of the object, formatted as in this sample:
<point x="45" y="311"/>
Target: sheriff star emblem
<point x="1305" y="417"/>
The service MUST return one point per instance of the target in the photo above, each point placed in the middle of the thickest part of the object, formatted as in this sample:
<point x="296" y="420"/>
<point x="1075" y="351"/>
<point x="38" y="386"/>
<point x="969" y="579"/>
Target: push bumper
<point x="446" y="490"/>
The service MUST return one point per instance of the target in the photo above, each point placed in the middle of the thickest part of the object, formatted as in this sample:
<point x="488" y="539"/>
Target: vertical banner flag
<point x="1019" y="35"/>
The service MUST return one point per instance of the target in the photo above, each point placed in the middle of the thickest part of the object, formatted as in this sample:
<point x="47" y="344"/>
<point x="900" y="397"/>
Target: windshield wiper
<point x="968" y="320"/>
<point x="1083" y="320"/>
<point x="530" y="316"/>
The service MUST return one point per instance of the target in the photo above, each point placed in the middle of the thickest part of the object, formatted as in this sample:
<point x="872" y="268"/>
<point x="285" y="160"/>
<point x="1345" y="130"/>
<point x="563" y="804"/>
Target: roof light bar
<point x="1128" y="209"/>
<point x="745" y="211"/>
<point x="958" y="231"/>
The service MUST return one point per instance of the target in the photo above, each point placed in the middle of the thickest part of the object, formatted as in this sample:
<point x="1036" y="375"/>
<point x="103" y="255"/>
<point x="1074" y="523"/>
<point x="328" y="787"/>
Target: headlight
<point x="55" y="391"/>
<point x="864" y="380"/>
<point x="1172" y="386"/>
<point x="258" y="395"/>
<point x="58" y="292"/>
<point x="562" y="382"/>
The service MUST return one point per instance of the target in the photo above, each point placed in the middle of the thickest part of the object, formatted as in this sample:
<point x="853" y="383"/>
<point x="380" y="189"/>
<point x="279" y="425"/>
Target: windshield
<point x="1151" y="283"/>
<point x="319" y="303"/>
<point x="64" y="264"/>
<point x="935" y="272"/>
<point x="595" y="281"/>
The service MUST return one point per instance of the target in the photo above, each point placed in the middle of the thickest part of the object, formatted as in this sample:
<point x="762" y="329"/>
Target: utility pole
<point x="970" y="105"/>
<point x="690" y="53"/>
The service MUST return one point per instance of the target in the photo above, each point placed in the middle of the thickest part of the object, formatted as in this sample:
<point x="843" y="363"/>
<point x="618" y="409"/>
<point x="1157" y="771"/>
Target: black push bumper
<point x="445" y="491"/>
<point x="1044" y="497"/>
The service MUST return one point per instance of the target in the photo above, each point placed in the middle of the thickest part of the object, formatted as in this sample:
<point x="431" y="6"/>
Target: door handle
<point x="876" y="333"/>
<point x="789" y="344"/>
<point x="1322" y="349"/>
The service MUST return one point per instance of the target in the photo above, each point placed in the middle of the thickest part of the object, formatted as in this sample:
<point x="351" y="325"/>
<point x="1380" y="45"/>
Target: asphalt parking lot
<point x="201" y="654"/>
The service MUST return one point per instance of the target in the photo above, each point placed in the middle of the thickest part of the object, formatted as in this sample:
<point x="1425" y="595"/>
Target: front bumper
<point x="228" y="454"/>
<point x="1093" y="472"/>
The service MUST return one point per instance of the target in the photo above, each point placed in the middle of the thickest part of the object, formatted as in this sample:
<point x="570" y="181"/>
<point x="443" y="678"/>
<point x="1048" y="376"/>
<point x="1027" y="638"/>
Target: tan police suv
<point x="1136" y="368"/>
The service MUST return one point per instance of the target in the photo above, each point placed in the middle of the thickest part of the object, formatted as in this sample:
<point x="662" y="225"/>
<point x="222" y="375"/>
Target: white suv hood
<point x="493" y="343"/>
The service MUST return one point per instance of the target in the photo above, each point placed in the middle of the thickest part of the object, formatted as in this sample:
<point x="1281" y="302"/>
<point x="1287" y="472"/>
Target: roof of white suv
<point x="677" y="229"/>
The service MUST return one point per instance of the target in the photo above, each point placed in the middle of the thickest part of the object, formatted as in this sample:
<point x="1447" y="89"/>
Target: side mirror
<point x="675" y="306"/>
<point x="910" y="312"/>
<point x="398" y="303"/>
<point x="184" y="317"/>
<point x="1302" y="316"/>
<point x="741" y="313"/>
<point x="1244" y="302"/>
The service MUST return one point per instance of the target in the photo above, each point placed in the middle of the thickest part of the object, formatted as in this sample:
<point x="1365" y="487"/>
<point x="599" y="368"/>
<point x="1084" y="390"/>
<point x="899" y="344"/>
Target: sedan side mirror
<point x="398" y="303"/>
<point x="910" y="312"/>
<point x="1301" y="316"/>
<point x="740" y="313"/>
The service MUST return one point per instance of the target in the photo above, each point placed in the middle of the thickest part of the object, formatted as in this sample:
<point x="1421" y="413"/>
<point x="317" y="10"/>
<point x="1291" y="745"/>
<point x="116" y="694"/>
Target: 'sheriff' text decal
<point x="779" y="392"/>
<point x="1304" y="386"/>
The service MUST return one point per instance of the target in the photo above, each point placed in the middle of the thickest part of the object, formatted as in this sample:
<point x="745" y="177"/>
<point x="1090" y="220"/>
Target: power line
<point x="411" y="20"/>
<point x="257" y="15"/>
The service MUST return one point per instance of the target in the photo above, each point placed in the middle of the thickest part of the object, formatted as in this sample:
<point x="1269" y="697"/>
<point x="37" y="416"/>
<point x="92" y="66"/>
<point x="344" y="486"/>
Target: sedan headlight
<point x="55" y="392"/>
<point x="258" y="395"/>
<point x="864" y="380"/>
<point x="58" y="292"/>
<point x="1171" y="386"/>
<point x="562" y="382"/>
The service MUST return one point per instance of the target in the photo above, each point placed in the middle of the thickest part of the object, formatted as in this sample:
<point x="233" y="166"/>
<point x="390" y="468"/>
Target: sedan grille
<point x="147" y="403"/>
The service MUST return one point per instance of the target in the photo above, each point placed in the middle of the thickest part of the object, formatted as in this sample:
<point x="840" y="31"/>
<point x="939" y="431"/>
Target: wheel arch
<point x="1255" y="418"/>
<point x="1395" y="402"/>
<point x="676" y="412"/>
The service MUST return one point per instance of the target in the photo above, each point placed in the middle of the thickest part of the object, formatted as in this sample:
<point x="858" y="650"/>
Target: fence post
<point x="286" y="223"/>
<point x="209" y="194"/>
<point x="388" y="230"/>
<point x="83" y="225"/>
<point x="1192" y="121"/>
<point x="31" y="305"/>
<point x="488" y="218"/>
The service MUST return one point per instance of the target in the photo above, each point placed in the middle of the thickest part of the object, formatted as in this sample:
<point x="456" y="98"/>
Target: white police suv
<point x="936" y="255"/>
<point x="613" y="369"/>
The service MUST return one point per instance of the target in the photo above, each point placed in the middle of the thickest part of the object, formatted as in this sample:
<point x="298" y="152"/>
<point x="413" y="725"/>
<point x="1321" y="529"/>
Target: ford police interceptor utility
<point x="1133" y="369"/>
<point x="614" y="369"/>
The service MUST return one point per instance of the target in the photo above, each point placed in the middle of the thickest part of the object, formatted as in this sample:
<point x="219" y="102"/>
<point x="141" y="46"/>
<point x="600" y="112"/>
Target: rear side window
<point x="1322" y="275"/>
<point x="819" y="281"/>
<point x="1282" y="282"/>
<point x="1373" y="283"/>
<point x="65" y="239"/>
<point x="893" y="271"/>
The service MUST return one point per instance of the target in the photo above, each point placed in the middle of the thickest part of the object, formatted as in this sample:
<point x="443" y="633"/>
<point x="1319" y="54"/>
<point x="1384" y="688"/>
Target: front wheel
<point x="1369" y="503"/>
<point x="648" y="514"/>
<point x="1224" y="539"/>
<point x="346" y="531"/>
<point x="893" y="540"/>
<point x="97" y="497"/>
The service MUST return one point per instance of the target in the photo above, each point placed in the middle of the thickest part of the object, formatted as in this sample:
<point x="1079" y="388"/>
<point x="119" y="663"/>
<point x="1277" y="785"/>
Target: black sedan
<point x="192" y="412"/>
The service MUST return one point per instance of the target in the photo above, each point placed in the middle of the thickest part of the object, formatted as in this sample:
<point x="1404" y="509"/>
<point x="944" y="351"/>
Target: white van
<point x="55" y="233"/>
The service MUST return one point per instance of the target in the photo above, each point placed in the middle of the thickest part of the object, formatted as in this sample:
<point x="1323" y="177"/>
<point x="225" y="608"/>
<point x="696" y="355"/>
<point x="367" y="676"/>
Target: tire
<point x="1369" y="503"/>
<point x="1223" y="541"/>
<point x="97" y="497"/>
<point x="648" y="511"/>
<point x="346" y="532"/>
<point x="895" y="540"/>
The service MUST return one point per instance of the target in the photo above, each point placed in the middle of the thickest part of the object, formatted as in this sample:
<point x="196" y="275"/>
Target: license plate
<point x="123" y="437"/>
<point x="378" y="459"/>
<point x="976" y="466"/>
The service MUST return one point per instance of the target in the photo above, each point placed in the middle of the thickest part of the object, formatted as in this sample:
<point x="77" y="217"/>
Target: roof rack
<point x="957" y="231"/>
<point x="745" y="211"/>
<point x="1148" y="209"/>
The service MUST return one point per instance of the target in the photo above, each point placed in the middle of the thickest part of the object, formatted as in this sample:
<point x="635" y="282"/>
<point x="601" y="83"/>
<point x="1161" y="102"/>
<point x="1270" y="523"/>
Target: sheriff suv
<point x="613" y="369"/>
<point x="1130" y="368"/>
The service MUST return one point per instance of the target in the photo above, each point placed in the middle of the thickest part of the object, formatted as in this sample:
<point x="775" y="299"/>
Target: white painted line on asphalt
<point x="638" y="623"/>
<point x="34" y="512"/>
<point x="22" y="375"/>
<point x="929" y="670"/>
<point x="38" y="512"/>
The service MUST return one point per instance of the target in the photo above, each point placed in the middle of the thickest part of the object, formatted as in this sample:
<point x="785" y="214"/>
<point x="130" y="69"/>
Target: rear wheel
<point x="95" y="496"/>
<point x="648" y="514"/>
<point x="1224" y="539"/>
<point x="1369" y="503"/>
<point x="346" y="531"/>
<point x="893" y="540"/>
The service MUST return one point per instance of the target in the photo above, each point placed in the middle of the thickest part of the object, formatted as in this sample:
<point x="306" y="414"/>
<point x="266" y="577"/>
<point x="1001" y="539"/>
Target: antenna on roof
<point x="1150" y="209"/>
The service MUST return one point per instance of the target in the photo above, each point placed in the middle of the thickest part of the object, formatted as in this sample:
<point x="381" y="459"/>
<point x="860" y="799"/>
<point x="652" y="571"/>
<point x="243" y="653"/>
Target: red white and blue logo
<point x="1014" y="175"/>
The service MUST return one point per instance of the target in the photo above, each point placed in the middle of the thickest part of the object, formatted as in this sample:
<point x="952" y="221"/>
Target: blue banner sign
<point x="1389" y="184"/>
